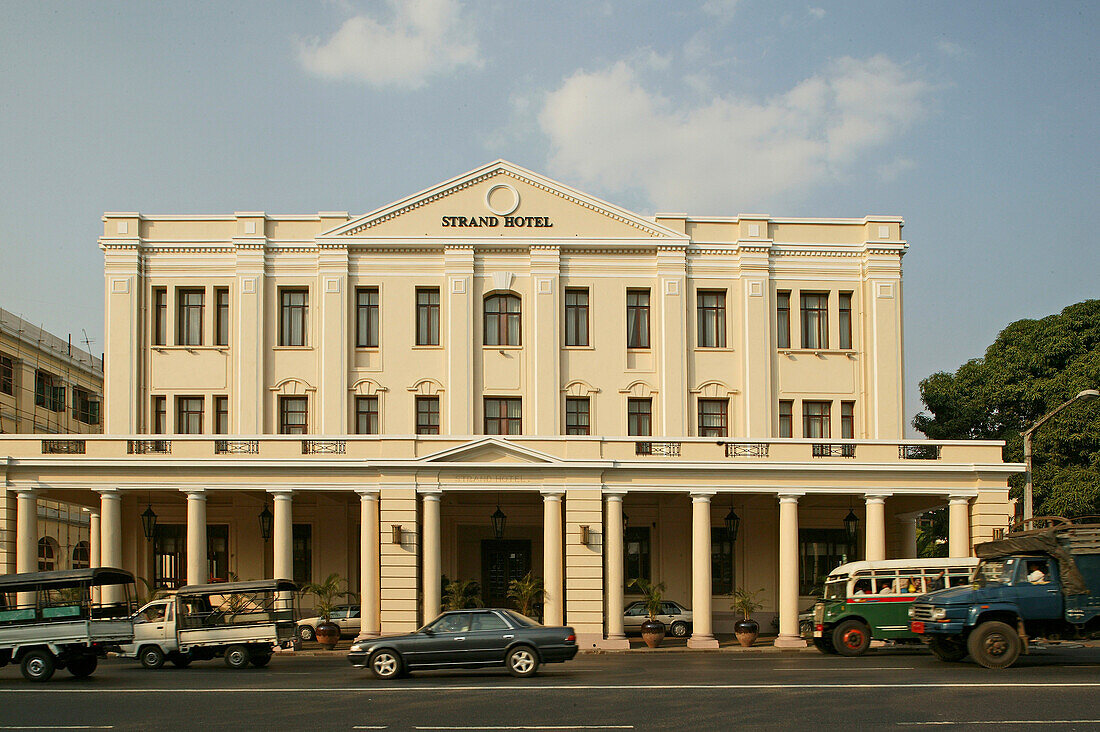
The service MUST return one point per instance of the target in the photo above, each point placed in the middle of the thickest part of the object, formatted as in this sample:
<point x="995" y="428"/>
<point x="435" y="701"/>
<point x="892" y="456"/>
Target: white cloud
<point x="950" y="48"/>
<point x="417" y="40"/>
<point x="723" y="9"/>
<point x="607" y="129"/>
<point x="818" y="13"/>
<point x="892" y="170"/>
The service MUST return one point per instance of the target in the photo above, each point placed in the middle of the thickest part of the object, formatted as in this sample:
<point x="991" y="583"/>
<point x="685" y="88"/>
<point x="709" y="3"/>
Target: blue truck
<point x="1034" y="584"/>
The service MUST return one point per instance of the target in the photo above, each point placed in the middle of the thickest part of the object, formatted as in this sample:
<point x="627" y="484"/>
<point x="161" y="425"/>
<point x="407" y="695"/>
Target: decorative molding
<point x="713" y="389"/>
<point x="367" y="387"/>
<point x="639" y="389"/>
<point x="579" y="388"/>
<point x="293" y="386"/>
<point x="427" y="387"/>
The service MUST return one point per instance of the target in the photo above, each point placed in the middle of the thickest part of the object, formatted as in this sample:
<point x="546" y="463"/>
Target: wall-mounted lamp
<point x="586" y="538"/>
<point x="266" y="519"/>
<point x="396" y="533"/>
<point x="149" y="522"/>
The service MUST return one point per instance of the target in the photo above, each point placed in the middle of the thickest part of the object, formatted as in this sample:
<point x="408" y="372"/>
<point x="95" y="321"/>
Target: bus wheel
<point x="948" y="649"/>
<point x="824" y="645"/>
<point x="994" y="644"/>
<point x="851" y="638"/>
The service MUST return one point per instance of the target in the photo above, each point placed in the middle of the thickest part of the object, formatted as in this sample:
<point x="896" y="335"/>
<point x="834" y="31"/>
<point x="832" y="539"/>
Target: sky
<point x="975" y="121"/>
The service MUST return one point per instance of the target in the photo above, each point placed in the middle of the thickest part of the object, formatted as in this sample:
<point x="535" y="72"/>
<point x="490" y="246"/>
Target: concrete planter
<point x="653" y="632"/>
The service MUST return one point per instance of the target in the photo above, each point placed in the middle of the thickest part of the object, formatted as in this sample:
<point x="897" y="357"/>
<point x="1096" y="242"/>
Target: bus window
<point x="835" y="588"/>
<point x="914" y="585"/>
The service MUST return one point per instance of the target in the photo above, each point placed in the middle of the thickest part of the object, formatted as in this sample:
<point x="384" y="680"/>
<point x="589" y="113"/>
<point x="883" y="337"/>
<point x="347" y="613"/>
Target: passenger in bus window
<point x="887" y="588"/>
<point x="938" y="582"/>
<point x="862" y="587"/>
<point x="914" y="586"/>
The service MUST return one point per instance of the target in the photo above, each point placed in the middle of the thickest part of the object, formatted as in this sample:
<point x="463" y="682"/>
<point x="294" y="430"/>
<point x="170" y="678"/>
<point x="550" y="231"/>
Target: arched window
<point x="502" y="320"/>
<point x="81" y="555"/>
<point x="47" y="554"/>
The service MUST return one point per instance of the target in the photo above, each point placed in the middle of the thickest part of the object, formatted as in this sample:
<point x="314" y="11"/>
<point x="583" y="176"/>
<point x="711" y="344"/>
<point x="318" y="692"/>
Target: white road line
<point x="537" y="726"/>
<point x="57" y="726"/>
<point x="370" y="726"/>
<point x="1001" y="721"/>
<point x="842" y="670"/>
<point x="565" y="687"/>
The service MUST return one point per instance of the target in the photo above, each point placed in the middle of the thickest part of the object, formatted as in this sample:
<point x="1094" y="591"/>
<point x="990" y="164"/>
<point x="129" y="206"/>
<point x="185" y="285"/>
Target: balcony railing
<point x="148" y="447"/>
<point x="746" y="449"/>
<point x="63" y="447"/>
<point x="825" y="449"/>
<point x="324" y="447"/>
<point x="919" y="452"/>
<point x="661" y="449"/>
<point x="236" y="447"/>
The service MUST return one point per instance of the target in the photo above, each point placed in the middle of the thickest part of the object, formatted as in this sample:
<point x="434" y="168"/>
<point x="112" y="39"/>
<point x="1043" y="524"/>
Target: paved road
<point x="684" y="691"/>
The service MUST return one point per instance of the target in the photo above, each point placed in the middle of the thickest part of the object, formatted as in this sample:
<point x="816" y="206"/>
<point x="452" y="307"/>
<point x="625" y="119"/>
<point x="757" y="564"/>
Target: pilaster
<point x="670" y="339"/>
<point x="584" y="565"/>
<point x="334" y="344"/>
<point x="125" y="332"/>
<point x="246" y="413"/>
<point x="544" y="338"/>
<point x="399" y="581"/>
<point x="458" y="409"/>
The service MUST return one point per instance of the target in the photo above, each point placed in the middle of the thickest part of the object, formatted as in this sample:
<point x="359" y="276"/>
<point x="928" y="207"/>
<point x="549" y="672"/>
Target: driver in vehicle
<point x="1036" y="573"/>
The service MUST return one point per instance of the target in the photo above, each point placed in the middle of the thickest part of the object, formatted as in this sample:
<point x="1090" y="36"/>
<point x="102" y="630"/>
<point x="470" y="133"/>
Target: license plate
<point x="917" y="626"/>
<point x="818" y="634"/>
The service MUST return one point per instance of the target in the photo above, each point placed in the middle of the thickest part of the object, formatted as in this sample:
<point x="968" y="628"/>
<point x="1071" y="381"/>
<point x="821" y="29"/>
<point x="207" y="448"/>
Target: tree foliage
<point x="1030" y="369"/>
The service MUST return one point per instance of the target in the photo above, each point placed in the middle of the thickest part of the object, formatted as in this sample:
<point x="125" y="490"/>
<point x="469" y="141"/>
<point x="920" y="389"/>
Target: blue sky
<point x="977" y="122"/>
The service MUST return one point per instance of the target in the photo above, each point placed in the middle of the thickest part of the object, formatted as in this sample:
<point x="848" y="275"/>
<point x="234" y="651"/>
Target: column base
<point x="366" y="636"/>
<point x="615" y="644"/>
<point x="790" y="641"/>
<point x="588" y="641"/>
<point x="703" y="642"/>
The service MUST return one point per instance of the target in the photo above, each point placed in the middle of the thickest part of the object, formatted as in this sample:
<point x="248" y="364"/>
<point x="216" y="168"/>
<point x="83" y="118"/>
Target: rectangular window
<point x="845" y="320"/>
<point x="639" y="417"/>
<point x="302" y="552"/>
<point x="49" y="391"/>
<point x="366" y="317"/>
<point x="502" y="322"/>
<point x="427" y="316"/>
<point x="576" y="416"/>
<point x="713" y="417"/>
<point x="217" y="552"/>
<point x="293" y="415"/>
<point x="722" y="571"/>
<point x="820" y="551"/>
<point x="783" y="319"/>
<point x="160" y="416"/>
<point x="293" y="317"/>
<point x="160" y="316"/>
<point x="366" y="415"/>
<point x="189" y="317"/>
<point x="637" y="318"/>
<point x="189" y="415"/>
<point x="848" y="420"/>
<point x="221" y="316"/>
<point x="503" y="416"/>
<point x="221" y="415"/>
<point x="576" y="316"/>
<point x="816" y="419"/>
<point x="85" y="407"/>
<point x="711" y="314"/>
<point x="786" y="418"/>
<point x="635" y="555"/>
<point x="815" y="319"/>
<point x="427" y="415"/>
<point x="7" y="375"/>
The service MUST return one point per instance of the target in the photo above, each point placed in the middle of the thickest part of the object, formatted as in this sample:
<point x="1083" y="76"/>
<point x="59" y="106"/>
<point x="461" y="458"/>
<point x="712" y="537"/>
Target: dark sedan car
<point x="468" y="639"/>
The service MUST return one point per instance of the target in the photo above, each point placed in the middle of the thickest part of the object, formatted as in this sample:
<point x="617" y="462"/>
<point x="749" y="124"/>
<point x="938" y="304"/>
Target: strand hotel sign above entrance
<point x="502" y="200"/>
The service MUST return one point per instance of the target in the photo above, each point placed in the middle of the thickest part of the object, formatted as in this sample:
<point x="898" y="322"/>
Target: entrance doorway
<point x="502" y="560"/>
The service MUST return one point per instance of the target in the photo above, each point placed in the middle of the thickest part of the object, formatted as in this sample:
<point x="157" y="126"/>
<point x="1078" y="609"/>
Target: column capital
<point x="31" y="492"/>
<point x="90" y="511"/>
<point x="876" y="497"/>
<point x="105" y="493"/>
<point x="194" y="494"/>
<point x="616" y="496"/>
<point x="789" y="497"/>
<point x="957" y="499"/>
<point x="430" y="494"/>
<point x="552" y="494"/>
<point x="279" y="494"/>
<point x="368" y="494"/>
<point x="702" y="496"/>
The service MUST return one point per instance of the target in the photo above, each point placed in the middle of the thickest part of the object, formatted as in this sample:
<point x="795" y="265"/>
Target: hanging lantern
<point x="149" y="522"/>
<point x="851" y="526"/>
<point x="266" y="519"/>
<point x="499" y="520"/>
<point x="733" y="524"/>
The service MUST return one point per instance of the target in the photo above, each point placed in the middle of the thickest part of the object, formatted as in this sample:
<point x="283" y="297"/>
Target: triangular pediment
<point x="490" y="450"/>
<point x="502" y="201"/>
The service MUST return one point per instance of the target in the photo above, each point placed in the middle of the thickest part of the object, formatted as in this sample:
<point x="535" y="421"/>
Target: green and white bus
<point x="870" y="600"/>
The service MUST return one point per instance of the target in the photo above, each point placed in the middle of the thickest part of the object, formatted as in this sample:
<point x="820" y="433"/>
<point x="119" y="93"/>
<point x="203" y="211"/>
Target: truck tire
<point x="237" y="656"/>
<point x="151" y="656"/>
<point x="948" y="649"/>
<point x="82" y="666"/>
<point x="851" y="638"/>
<point x="994" y="644"/>
<point x="259" y="660"/>
<point x="5" y="657"/>
<point x="37" y="665"/>
<point x="180" y="660"/>
<point x="825" y="646"/>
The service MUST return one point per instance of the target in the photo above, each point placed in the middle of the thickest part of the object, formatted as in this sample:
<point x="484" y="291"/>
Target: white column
<point x="613" y="589"/>
<point x="26" y="531"/>
<point x="958" y="534"/>
<point x="282" y="534"/>
<point x="553" y="605"/>
<point x="432" y="561"/>
<point x="93" y="546"/>
<point x="370" y="625"/>
<point x="702" y="628"/>
<point x="908" y="537"/>
<point x="876" y="528"/>
<point x="110" y="543"/>
<point x="788" y="572"/>
<point x="198" y="570"/>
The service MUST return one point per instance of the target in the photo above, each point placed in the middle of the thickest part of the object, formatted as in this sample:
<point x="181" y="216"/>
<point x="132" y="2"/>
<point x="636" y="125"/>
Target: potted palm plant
<point x="653" y="630"/>
<point x="746" y="629"/>
<point x="327" y="593"/>
<point x="526" y="593"/>
<point x="460" y="594"/>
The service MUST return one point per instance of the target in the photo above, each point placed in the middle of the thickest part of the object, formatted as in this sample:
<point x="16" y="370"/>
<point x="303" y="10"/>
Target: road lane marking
<point x="57" y="726"/>
<point x="420" y="689"/>
<point x="535" y="726"/>
<point x="1001" y="721"/>
<point x="840" y="670"/>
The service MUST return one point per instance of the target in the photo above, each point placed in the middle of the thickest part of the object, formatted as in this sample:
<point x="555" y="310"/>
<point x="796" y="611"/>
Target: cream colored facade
<point x="795" y="432"/>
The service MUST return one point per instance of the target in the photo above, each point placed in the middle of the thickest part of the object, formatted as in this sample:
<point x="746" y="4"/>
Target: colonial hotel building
<point x="502" y="374"/>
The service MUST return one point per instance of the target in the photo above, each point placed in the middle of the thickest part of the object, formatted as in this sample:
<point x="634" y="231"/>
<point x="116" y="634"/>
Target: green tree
<point x="1032" y="367"/>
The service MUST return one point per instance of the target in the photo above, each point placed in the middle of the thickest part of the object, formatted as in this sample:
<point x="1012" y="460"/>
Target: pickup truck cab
<point x="239" y="621"/>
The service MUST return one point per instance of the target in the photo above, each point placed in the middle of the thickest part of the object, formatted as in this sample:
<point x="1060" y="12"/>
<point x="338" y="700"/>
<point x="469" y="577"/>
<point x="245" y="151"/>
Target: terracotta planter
<point x="746" y="632"/>
<point x="653" y="632"/>
<point x="328" y="634"/>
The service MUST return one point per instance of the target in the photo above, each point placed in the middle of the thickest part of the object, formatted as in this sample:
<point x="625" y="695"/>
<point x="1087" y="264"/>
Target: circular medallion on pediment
<point x="502" y="199"/>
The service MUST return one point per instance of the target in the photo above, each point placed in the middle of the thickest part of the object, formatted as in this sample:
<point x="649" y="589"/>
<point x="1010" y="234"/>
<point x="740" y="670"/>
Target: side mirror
<point x="428" y="631"/>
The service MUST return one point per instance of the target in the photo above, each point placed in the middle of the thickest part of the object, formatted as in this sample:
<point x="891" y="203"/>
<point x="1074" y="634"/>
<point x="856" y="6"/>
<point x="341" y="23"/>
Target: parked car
<point x="468" y="639"/>
<point x="675" y="616"/>
<point x="345" y="616"/>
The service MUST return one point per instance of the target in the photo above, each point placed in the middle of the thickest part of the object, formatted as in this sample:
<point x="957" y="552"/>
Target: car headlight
<point x="939" y="613"/>
<point x="356" y="647"/>
<point x="912" y="612"/>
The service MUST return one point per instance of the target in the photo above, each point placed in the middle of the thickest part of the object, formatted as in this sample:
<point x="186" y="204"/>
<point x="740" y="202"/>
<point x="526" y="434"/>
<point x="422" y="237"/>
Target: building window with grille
<point x="786" y="418"/>
<point x="366" y="415"/>
<point x="427" y="415"/>
<point x="722" y="571"/>
<point x="639" y="417"/>
<point x="577" y="416"/>
<point x="189" y="415"/>
<point x="576" y="316"/>
<point x="49" y="392"/>
<point x="815" y="320"/>
<point x="7" y="375"/>
<point x="848" y="420"/>
<point x="82" y="555"/>
<point x="302" y="553"/>
<point x="366" y="317"/>
<point x="221" y="316"/>
<point x="160" y="316"/>
<point x="221" y="415"/>
<point x="293" y="415"/>
<point x="502" y="320"/>
<point x="845" y="319"/>
<point x="783" y="319"/>
<point x="427" y="316"/>
<point x="293" y="317"/>
<point x="160" y="416"/>
<point x="503" y="416"/>
<point x="713" y="417"/>
<point x="189" y="317"/>
<point x="636" y="555"/>
<point x="820" y="551"/>
<point x="816" y="419"/>
<point x="47" y="554"/>
<point x="85" y="406"/>
<point x="637" y="318"/>
<point x="711" y="316"/>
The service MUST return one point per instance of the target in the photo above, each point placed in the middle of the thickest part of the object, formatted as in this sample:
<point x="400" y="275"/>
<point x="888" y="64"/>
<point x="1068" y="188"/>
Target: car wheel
<point x="948" y="649"/>
<point x="679" y="629"/>
<point x="38" y="666"/>
<point x="237" y="656"/>
<point x="151" y="657"/>
<point x="824" y="645"/>
<point x="851" y="638"/>
<point x="522" y="661"/>
<point x="259" y="660"/>
<point x="385" y="664"/>
<point x="806" y="628"/>
<point x="307" y="633"/>
<point x="994" y="644"/>
<point x="82" y="666"/>
<point x="181" y="660"/>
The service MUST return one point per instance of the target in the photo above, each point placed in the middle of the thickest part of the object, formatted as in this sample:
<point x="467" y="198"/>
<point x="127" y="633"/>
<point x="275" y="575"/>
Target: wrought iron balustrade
<point x="148" y="447"/>
<point x="236" y="447"/>
<point x="918" y="452"/>
<point x="746" y="449"/>
<point x="324" y="447"/>
<point x="660" y="449"/>
<point x="63" y="447"/>
<point x="826" y="449"/>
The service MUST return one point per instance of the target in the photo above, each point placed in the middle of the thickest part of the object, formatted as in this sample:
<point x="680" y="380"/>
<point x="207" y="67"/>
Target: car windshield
<point x="994" y="572"/>
<point x="836" y="589"/>
<point x="520" y="619"/>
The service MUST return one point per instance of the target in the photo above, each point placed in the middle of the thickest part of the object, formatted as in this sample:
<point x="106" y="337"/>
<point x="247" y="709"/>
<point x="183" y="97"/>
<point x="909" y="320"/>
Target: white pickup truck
<point x="240" y="621"/>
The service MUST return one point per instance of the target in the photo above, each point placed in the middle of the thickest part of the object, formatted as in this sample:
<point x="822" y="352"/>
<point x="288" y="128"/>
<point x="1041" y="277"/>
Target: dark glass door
<point x="502" y="560"/>
<point x="169" y="556"/>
